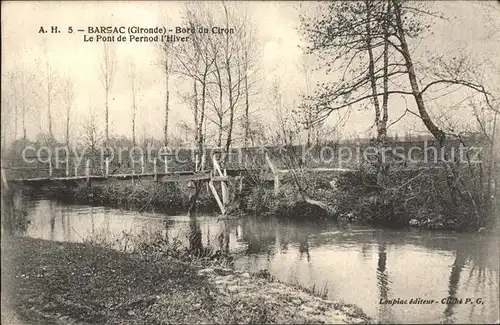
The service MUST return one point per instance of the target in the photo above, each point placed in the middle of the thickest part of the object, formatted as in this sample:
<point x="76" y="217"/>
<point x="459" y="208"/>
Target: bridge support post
<point x="275" y="174"/>
<point x="217" y="172"/>
<point x="50" y="168"/>
<point x="67" y="166"/>
<point x="142" y="164"/>
<point x="217" y="198"/>
<point x="166" y="165"/>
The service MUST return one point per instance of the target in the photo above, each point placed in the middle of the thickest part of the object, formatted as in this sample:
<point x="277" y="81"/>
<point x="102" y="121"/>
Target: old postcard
<point x="250" y="162"/>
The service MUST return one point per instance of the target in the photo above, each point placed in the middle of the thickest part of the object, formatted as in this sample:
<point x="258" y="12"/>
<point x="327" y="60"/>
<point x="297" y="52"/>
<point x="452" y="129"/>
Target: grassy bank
<point x="425" y="199"/>
<point x="47" y="282"/>
<point x="409" y="198"/>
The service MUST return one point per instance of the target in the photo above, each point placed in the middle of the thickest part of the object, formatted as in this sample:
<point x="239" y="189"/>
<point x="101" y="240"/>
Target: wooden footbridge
<point x="211" y="173"/>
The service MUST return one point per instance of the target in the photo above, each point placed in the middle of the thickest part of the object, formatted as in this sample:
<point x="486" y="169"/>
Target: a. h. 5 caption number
<point x="53" y="30"/>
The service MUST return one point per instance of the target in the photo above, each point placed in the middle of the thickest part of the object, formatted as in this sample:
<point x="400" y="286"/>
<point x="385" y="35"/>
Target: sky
<point x="278" y="43"/>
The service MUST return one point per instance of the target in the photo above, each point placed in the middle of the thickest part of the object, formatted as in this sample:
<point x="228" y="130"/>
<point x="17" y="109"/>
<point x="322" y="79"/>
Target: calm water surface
<point x="357" y="265"/>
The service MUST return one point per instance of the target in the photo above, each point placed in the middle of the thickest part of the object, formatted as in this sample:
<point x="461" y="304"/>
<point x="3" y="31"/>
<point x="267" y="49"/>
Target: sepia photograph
<point x="250" y="162"/>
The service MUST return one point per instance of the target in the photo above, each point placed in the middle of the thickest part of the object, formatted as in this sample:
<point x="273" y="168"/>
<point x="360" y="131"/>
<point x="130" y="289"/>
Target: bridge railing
<point x="330" y="155"/>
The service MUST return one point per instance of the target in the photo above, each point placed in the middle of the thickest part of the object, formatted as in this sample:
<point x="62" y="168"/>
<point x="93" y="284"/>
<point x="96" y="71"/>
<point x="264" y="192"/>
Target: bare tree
<point x="217" y="106"/>
<point x="48" y="85"/>
<point x="68" y="96"/>
<point x="351" y="37"/>
<point x="389" y="24"/>
<point x="287" y="127"/>
<point x="306" y="113"/>
<point x="91" y="135"/>
<point x="248" y="41"/>
<point x="13" y="103"/>
<point x="166" y="62"/>
<point x="8" y="106"/>
<point x="233" y="67"/>
<point x="108" y="69"/>
<point x="135" y="85"/>
<point x="195" y="61"/>
<point x="24" y="100"/>
<point x="230" y="77"/>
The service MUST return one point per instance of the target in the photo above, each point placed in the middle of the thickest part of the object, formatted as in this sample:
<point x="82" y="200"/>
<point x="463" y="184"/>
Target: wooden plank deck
<point x="161" y="177"/>
<point x="178" y="176"/>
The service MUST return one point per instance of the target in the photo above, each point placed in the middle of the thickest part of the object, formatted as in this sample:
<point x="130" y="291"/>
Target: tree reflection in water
<point x="14" y="216"/>
<point x="195" y="235"/>
<point x="52" y="220"/>
<point x="224" y="236"/>
<point x="483" y="276"/>
<point x="304" y="246"/>
<point x="384" y="310"/>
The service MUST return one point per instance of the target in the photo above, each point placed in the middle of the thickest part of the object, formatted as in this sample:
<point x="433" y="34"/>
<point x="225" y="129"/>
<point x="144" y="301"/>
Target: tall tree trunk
<point x="371" y="66"/>
<point x="24" y="121"/>
<point x="220" y="113"/>
<point x="49" y="97"/>
<point x="382" y="132"/>
<point x="231" y="106"/>
<point x="167" y="95"/>
<point x="230" y="89"/>
<point x="492" y="184"/>
<point x="133" y="130"/>
<point x="438" y="134"/>
<point x="107" y="112"/>
<point x="193" y="197"/>
<point x="219" y="136"/>
<point x="67" y="129"/>
<point x="49" y="116"/>
<point x="133" y="118"/>
<point x="201" y="138"/>
<point x="195" y="110"/>
<point x="247" y="105"/>
<point x="23" y="105"/>
<point x="382" y="122"/>
<point x="15" y="121"/>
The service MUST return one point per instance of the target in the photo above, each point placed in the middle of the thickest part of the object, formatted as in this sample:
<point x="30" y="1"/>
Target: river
<point x="357" y="265"/>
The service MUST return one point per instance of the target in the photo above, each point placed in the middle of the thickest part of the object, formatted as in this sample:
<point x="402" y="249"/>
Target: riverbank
<point x="46" y="282"/>
<point x="409" y="198"/>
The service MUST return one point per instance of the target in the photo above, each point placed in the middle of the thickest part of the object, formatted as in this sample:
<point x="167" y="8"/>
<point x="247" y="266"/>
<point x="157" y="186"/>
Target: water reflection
<point x="14" y="216"/>
<point x="456" y="270"/>
<point x="224" y="237"/>
<point x="52" y="220"/>
<point x="304" y="246"/>
<point x="358" y="265"/>
<point x="384" y="314"/>
<point x="195" y="236"/>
